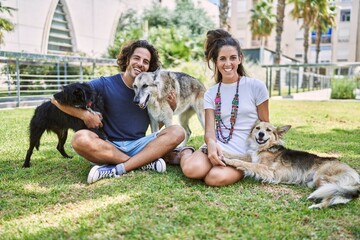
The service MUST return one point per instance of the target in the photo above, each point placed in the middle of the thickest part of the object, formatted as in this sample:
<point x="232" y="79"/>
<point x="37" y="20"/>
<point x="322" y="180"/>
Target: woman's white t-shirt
<point x="252" y="92"/>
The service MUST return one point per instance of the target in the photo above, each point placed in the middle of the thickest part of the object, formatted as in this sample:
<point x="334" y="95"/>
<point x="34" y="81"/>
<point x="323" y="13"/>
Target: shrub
<point x="342" y="89"/>
<point x="197" y="69"/>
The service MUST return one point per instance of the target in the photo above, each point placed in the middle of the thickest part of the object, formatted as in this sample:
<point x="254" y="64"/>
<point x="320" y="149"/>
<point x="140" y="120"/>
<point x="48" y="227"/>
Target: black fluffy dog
<point x="48" y="117"/>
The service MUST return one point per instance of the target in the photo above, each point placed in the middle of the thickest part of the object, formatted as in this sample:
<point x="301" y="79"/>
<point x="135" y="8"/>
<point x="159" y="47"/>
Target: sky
<point x="214" y="1"/>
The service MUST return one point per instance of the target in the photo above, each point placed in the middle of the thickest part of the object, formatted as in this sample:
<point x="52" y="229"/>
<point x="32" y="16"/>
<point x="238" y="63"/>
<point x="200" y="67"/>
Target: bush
<point x="197" y="69"/>
<point x="342" y="89"/>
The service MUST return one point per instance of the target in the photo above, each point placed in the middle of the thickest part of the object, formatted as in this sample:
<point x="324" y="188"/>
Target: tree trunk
<point x="224" y="13"/>
<point x="306" y="42"/>
<point x="317" y="42"/>
<point x="306" y="47"/>
<point x="280" y="13"/>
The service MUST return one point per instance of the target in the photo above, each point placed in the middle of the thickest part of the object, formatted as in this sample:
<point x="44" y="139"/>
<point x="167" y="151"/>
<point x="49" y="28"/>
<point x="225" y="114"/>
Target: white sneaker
<point x="158" y="165"/>
<point x="98" y="172"/>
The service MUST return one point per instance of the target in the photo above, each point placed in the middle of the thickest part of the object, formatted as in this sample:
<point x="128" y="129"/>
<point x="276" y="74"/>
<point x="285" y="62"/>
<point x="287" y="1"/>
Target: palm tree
<point x="5" y="25"/>
<point x="308" y="11"/>
<point x="280" y="14"/>
<point x="224" y="14"/>
<point x="325" y="19"/>
<point x="262" y="22"/>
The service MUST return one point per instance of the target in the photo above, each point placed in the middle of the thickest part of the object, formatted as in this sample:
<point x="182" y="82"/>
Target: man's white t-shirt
<point x="252" y="93"/>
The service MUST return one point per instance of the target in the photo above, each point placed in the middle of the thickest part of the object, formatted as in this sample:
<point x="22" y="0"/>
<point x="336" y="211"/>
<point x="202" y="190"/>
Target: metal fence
<point x="29" y="79"/>
<point x="286" y="79"/>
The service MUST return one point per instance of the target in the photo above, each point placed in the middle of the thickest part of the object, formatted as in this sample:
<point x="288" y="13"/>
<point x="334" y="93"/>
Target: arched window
<point x="60" y="36"/>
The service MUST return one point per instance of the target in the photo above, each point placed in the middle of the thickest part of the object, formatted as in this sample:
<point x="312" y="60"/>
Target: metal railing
<point x="28" y="79"/>
<point x="286" y="79"/>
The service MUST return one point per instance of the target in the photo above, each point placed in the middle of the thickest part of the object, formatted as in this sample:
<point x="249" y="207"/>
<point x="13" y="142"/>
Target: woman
<point x="232" y="106"/>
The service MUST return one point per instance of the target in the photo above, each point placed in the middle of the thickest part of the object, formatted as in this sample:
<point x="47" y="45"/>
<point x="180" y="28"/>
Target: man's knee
<point x="80" y="140"/>
<point x="176" y="133"/>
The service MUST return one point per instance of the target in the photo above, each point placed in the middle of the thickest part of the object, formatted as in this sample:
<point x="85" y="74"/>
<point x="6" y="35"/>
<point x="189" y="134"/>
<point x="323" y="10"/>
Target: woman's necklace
<point x="219" y="122"/>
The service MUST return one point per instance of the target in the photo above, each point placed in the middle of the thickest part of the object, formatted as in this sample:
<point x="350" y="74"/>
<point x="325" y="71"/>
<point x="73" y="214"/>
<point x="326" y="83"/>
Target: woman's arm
<point x="263" y="111"/>
<point x="214" y="151"/>
<point x="91" y="120"/>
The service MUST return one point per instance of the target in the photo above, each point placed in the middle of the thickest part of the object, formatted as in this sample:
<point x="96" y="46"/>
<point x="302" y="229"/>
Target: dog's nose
<point x="136" y="100"/>
<point x="261" y="134"/>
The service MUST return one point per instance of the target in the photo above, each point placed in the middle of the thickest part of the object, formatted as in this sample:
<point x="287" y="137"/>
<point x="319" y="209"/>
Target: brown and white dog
<point x="268" y="160"/>
<point x="152" y="88"/>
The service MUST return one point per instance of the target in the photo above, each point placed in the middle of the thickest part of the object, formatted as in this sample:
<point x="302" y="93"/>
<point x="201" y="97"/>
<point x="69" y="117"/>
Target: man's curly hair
<point x="127" y="50"/>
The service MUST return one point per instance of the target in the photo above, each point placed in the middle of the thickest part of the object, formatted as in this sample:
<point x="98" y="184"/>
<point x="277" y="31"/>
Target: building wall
<point x="92" y="22"/>
<point x="292" y="36"/>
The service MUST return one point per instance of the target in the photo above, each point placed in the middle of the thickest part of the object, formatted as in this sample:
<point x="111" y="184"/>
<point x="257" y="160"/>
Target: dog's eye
<point x="268" y="130"/>
<point x="145" y="86"/>
<point x="257" y="128"/>
<point x="134" y="87"/>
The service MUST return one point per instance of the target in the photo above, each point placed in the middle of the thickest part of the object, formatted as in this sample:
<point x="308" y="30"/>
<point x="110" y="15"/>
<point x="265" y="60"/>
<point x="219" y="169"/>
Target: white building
<point x="339" y="44"/>
<point x="76" y="27"/>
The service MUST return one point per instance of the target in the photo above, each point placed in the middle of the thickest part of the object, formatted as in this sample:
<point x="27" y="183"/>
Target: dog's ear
<point x="282" y="130"/>
<point x="255" y="124"/>
<point x="157" y="77"/>
<point x="79" y="95"/>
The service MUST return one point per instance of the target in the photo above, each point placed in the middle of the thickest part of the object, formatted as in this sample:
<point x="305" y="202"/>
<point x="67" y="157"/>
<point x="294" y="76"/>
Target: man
<point x="125" y="123"/>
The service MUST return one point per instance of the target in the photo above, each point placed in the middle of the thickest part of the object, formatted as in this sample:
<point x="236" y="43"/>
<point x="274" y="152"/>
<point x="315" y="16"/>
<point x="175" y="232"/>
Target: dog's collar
<point x="275" y="148"/>
<point x="89" y="104"/>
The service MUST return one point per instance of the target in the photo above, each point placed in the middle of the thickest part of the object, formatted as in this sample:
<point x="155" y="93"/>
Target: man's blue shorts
<point x="133" y="147"/>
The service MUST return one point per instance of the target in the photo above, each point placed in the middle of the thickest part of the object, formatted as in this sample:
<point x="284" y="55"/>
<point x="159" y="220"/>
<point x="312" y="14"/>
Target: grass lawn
<point x="51" y="200"/>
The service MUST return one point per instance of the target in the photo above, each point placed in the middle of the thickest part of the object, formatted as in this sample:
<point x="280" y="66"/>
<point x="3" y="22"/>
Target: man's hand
<point x="171" y="99"/>
<point x="91" y="120"/>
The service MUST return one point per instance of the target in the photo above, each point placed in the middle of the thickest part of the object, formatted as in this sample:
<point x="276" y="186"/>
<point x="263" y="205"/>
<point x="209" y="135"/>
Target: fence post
<point x="93" y="70"/>
<point x="297" y="80"/>
<point x="58" y="75"/>
<point x="8" y="77"/>
<point x="270" y="81"/>
<point x="289" y="82"/>
<point x="17" y="82"/>
<point x="81" y="72"/>
<point x="65" y="72"/>
<point x="280" y="72"/>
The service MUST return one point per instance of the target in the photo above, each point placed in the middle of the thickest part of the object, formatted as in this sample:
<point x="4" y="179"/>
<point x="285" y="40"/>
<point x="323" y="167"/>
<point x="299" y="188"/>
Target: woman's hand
<point x="215" y="154"/>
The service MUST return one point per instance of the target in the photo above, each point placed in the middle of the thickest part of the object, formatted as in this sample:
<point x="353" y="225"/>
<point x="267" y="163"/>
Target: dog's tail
<point x="346" y="189"/>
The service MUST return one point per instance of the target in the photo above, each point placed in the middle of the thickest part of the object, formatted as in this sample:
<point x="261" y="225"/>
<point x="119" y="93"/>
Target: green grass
<point x="51" y="200"/>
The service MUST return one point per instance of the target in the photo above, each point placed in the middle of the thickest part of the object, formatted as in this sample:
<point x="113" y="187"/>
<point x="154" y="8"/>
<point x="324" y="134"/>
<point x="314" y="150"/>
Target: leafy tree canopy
<point x="177" y="34"/>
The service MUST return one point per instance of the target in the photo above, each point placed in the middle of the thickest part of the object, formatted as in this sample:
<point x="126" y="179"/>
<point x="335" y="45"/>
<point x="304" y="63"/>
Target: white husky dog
<point x="152" y="89"/>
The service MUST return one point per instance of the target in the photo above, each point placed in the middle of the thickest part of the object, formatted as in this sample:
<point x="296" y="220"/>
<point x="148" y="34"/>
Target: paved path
<point x="318" y="95"/>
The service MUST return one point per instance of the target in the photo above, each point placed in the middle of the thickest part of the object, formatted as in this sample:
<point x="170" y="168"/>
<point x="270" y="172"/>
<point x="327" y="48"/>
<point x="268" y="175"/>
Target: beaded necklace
<point x="219" y="122"/>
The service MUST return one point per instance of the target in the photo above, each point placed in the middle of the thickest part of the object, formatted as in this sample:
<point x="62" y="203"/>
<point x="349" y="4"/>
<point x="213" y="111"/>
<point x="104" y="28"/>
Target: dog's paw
<point x="241" y="169"/>
<point x="229" y="161"/>
<point x="316" y="206"/>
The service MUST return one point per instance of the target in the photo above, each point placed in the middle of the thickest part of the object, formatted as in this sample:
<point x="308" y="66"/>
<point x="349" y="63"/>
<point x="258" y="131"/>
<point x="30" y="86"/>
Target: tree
<point x="178" y="34"/>
<point x="324" y="20"/>
<point x="262" y="23"/>
<point x="280" y="14"/>
<point x="129" y="28"/>
<point x="224" y="14"/>
<point x="307" y="10"/>
<point x="196" y="19"/>
<point x="5" y="25"/>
